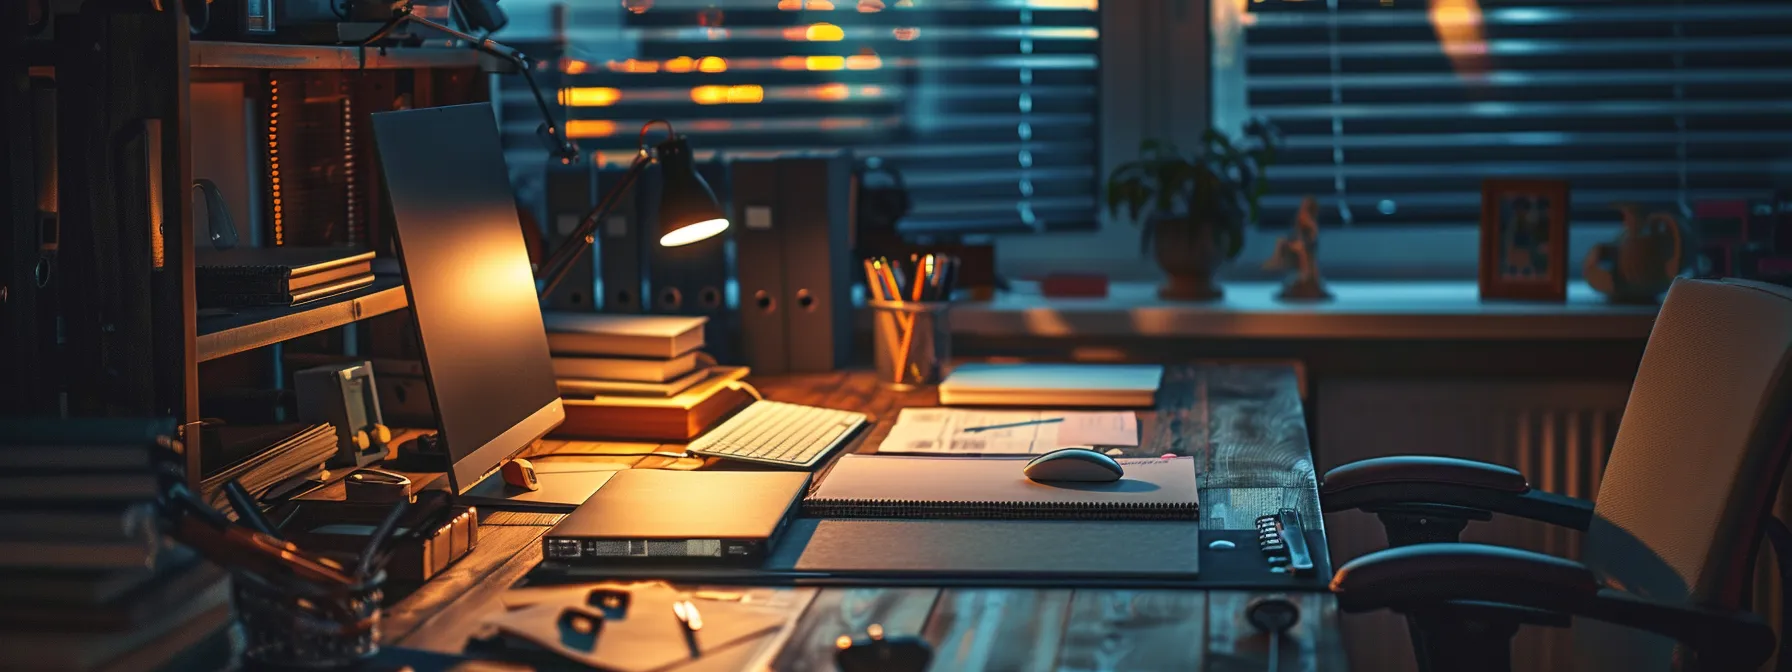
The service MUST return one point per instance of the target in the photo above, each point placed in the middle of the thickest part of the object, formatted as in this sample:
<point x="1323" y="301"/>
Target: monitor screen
<point x="472" y="292"/>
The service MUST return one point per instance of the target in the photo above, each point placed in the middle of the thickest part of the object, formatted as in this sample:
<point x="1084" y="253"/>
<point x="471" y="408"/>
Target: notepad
<point x="882" y="486"/>
<point x="1052" y="385"/>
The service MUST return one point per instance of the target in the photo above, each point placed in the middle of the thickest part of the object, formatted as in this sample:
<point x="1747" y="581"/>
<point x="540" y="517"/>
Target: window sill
<point x="1433" y="310"/>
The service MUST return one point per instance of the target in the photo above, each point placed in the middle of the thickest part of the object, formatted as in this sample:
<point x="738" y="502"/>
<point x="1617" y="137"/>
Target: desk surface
<point x="1243" y="422"/>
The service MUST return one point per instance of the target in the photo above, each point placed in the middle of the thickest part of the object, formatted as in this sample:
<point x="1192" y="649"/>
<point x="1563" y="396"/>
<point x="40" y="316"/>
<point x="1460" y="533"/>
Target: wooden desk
<point x="1243" y="421"/>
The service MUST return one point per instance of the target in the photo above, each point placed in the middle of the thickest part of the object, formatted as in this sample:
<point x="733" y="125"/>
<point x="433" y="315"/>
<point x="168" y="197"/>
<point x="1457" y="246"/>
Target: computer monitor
<point x="472" y="294"/>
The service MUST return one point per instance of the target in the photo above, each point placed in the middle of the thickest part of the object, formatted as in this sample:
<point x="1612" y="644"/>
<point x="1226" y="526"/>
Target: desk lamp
<point x="688" y="208"/>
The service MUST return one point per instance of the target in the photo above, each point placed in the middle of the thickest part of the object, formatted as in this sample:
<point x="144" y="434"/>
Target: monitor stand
<point x="564" y="486"/>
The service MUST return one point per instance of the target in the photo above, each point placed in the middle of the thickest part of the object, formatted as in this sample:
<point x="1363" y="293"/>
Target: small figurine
<point x="1299" y="251"/>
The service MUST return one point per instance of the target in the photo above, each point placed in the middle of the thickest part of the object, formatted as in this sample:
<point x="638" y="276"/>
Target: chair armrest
<point x="1413" y="578"/>
<point x="1433" y="573"/>
<point x="1383" y="482"/>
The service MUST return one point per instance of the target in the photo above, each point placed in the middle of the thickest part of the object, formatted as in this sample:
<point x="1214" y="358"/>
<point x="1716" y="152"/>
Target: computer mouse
<point x="520" y="473"/>
<point x="1074" y="465"/>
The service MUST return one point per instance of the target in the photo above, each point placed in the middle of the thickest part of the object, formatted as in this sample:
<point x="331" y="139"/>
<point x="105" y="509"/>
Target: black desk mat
<point x="1240" y="568"/>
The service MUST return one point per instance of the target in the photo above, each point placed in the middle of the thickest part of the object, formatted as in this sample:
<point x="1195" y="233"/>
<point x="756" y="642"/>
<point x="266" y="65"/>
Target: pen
<point x="691" y="621"/>
<point x="378" y="538"/>
<point x="873" y="284"/>
<point x="921" y="266"/>
<point x="985" y="428"/>
<point x="247" y="512"/>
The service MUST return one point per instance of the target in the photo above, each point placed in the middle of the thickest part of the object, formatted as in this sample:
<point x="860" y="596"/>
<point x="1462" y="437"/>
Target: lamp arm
<point x="563" y="149"/>
<point x="561" y="260"/>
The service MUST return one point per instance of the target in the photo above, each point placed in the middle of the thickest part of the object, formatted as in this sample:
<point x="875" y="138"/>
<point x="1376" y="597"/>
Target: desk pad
<point x="806" y="556"/>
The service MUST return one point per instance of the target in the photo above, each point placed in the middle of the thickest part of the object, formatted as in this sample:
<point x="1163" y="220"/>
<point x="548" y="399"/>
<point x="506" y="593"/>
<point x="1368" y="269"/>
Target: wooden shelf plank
<point x="251" y="328"/>
<point x="256" y="56"/>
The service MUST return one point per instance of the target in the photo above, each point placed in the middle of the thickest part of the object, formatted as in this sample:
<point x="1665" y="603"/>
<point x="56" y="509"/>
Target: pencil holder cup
<point x="296" y="625"/>
<point x="912" y="342"/>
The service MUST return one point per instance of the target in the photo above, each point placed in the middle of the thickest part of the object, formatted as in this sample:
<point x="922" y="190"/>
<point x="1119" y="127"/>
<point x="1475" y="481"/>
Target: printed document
<point x="987" y="432"/>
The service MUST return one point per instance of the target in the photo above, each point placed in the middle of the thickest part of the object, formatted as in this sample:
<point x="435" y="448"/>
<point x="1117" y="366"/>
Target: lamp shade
<point x="688" y="208"/>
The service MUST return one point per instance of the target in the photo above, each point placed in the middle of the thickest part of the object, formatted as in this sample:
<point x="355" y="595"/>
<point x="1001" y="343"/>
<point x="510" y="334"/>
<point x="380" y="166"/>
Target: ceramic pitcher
<point x="1642" y="262"/>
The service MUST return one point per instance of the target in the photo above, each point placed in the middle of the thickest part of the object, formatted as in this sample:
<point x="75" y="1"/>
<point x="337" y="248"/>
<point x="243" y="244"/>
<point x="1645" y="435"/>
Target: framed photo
<point x="1524" y="239"/>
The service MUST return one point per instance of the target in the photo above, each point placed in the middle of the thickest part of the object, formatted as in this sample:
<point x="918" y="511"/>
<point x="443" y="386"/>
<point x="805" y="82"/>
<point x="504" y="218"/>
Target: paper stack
<point x="271" y="461"/>
<point x="626" y="355"/>
<point x="86" y="578"/>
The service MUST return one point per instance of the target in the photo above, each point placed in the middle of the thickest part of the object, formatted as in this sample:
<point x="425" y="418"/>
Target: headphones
<point x="881" y="207"/>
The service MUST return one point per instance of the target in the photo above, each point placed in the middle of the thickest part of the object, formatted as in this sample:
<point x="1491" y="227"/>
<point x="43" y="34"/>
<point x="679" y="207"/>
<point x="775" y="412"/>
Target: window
<point x="1395" y="110"/>
<point x="986" y="107"/>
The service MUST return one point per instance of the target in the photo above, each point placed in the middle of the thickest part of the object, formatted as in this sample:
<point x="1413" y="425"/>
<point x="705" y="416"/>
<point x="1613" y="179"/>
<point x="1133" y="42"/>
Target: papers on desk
<point x="643" y="632"/>
<point x="981" y="432"/>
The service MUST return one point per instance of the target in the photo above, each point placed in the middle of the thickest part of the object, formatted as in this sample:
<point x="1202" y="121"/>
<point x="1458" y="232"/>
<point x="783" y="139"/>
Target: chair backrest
<point x="1698" y="457"/>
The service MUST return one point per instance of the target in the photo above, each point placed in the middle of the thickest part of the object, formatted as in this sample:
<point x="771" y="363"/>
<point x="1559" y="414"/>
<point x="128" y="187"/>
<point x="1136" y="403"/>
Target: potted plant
<point x="1195" y="206"/>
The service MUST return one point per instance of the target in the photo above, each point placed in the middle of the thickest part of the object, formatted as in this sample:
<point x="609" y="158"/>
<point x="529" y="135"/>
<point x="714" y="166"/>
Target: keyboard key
<point x="777" y="433"/>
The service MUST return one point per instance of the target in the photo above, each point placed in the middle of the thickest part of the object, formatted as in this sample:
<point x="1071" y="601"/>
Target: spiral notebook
<point x="886" y="486"/>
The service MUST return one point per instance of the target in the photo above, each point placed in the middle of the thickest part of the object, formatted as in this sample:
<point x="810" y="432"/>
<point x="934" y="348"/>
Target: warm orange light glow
<point x="1090" y="5"/>
<point x="274" y="158"/>
<point x="575" y="67"/>
<point x="871" y="91"/>
<point x="737" y="94"/>
<point x="824" y="32"/>
<point x="864" y="62"/>
<point x="632" y="65"/>
<point x="590" y="128"/>
<point x="906" y="33"/>
<point x="789" y="5"/>
<point x="871" y="6"/>
<point x="821" y="5"/>
<point x="589" y="96"/>
<point x="681" y="64"/>
<point x="712" y="64"/>
<point x="1458" y="26"/>
<point x="824" y="63"/>
<point x="835" y="91"/>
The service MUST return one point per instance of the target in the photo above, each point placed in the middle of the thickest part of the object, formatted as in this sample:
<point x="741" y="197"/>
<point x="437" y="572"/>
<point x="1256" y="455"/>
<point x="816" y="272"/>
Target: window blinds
<point x="986" y="107"/>
<point x="1394" y="111"/>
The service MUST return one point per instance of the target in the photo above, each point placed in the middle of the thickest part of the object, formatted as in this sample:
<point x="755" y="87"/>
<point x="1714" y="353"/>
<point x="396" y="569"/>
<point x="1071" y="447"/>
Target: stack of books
<point x="87" y="580"/>
<point x="639" y="377"/>
<point x="272" y="462"/>
<point x="634" y="355"/>
<point x="278" y="276"/>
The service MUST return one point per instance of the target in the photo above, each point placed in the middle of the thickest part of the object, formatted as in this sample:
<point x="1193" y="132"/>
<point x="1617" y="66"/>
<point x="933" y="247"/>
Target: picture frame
<point x="1524" y="239"/>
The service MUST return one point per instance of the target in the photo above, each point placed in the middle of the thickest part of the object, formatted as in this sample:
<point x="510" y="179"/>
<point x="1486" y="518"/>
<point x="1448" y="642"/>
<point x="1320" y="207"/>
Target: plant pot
<point x="1188" y="255"/>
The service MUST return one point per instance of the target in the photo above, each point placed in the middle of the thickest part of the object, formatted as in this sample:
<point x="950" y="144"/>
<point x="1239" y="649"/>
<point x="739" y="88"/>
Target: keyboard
<point x="779" y="434"/>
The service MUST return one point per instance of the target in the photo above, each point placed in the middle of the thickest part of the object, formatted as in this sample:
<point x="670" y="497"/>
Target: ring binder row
<point x="994" y="510"/>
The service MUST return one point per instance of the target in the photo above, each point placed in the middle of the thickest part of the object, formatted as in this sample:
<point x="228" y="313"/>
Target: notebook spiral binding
<point x="996" y="510"/>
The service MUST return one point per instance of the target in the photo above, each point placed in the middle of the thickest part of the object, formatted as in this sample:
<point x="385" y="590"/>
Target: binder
<point x="570" y="192"/>
<point x="754" y="216"/>
<point x="690" y="279"/>
<point x="622" y="260"/>
<point x="815" y="206"/>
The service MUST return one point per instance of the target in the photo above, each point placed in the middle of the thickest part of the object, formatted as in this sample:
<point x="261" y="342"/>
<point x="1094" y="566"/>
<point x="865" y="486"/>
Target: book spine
<point x="216" y="285"/>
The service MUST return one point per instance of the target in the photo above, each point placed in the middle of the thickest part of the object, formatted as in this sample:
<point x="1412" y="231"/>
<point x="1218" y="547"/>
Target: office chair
<point x="1670" y="540"/>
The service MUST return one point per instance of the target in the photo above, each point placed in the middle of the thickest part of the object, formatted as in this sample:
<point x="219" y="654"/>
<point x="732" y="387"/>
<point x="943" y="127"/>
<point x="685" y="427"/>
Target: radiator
<point x="1557" y="432"/>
